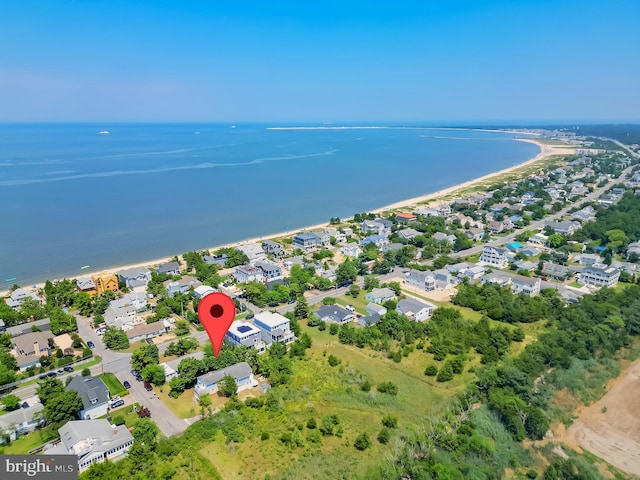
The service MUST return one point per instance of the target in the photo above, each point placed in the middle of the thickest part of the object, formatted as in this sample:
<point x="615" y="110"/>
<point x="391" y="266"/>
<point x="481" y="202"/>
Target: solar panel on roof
<point x="244" y="328"/>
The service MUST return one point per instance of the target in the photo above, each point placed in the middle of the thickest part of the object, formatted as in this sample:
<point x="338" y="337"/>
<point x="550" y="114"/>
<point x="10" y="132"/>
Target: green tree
<point x="49" y="388"/>
<point x="556" y="240"/>
<point x="143" y="356"/>
<point x="204" y="401"/>
<point x="301" y="309"/>
<point x="354" y="291"/>
<point x="346" y="273"/>
<point x="362" y="441"/>
<point x="390" y="421"/>
<point x="328" y="301"/>
<point x="431" y="370"/>
<point x="388" y="387"/>
<point x="61" y="408"/>
<point x="146" y="432"/>
<point x="384" y="436"/>
<point x="181" y="328"/>
<point x="153" y="374"/>
<point x="446" y="373"/>
<point x="371" y="282"/>
<point x="115" y="339"/>
<point x="228" y="387"/>
<point x="10" y="402"/>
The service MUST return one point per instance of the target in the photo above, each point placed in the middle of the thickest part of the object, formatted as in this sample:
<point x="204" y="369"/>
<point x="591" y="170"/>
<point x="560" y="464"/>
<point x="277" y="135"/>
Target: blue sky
<point x="278" y="61"/>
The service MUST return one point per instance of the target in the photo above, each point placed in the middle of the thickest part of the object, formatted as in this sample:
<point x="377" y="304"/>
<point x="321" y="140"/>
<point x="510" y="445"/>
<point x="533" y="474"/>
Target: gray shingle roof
<point x="92" y="391"/>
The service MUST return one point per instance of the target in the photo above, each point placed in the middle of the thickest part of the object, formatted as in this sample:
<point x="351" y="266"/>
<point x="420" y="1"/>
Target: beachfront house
<point x="495" y="257"/>
<point x="253" y="251"/>
<point x="170" y="268"/>
<point x="245" y="334"/>
<point x="273" y="248"/>
<point x="405" y="217"/>
<point x="380" y="295"/>
<point x="135" y="278"/>
<point x="220" y="260"/>
<point x="424" y="280"/>
<point x="93" y="441"/>
<point x="377" y="226"/>
<point x="274" y="328"/>
<point x="248" y="273"/>
<point x="240" y="372"/>
<point x="85" y="284"/>
<point x="18" y="295"/>
<point x="415" y="309"/>
<point x="305" y="241"/>
<point x="94" y="395"/>
<point x="380" y="241"/>
<point x="334" y="314"/>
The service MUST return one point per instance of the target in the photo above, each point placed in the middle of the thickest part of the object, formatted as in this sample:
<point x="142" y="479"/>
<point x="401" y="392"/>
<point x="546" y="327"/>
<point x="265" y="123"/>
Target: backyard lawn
<point x="113" y="384"/>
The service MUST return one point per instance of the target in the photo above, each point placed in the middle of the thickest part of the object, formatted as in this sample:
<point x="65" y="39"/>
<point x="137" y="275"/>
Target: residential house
<point x="526" y="265"/>
<point x="135" y="278"/>
<point x="94" y="395"/>
<point x="425" y="280"/>
<point x="351" y="250"/>
<point x="530" y="251"/>
<point x="539" y="239"/>
<point x="245" y="334"/>
<point x="607" y="200"/>
<point x="348" y="231"/>
<point x="85" y="284"/>
<point x="457" y="267"/>
<point x="340" y="237"/>
<point x="415" y="309"/>
<point x="124" y="318"/>
<point x="588" y="259"/>
<point x="496" y="257"/>
<point x="564" y="228"/>
<point x="444" y="278"/>
<point x="442" y="237"/>
<point x="248" y="273"/>
<point x="273" y="248"/>
<point x="372" y="308"/>
<point x="633" y="248"/>
<point x="138" y="301"/>
<point x="473" y="272"/>
<point x="380" y="295"/>
<point x="405" y="217"/>
<point x="220" y="260"/>
<point x="169" y="268"/>
<point x="93" y="441"/>
<point x="274" y="328"/>
<point x="148" y="330"/>
<point x="380" y="241"/>
<point x="429" y="212"/>
<point x="28" y="348"/>
<point x="553" y="270"/>
<point x="23" y="328"/>
<point x="526" y="285"/>
<point x="495" y="227"/>
<point x="599" y="276"/>
<point x="297" y="260"/>
<point x="377" y="226"/>
<point x="202" y="291"/>
<point x="498" y="279"/>
<point x="241" y="373"/>
<point x="18" y="295"/>
<point x="20" y="422"/>
<point x="408" y="233"/>
<point x="392" y="247"/>
<point x="270" y="271"/>
<point x="474" y="234"/>
<point x="584" y="215"/>
<point x="444" y="209"/>
<point x="323" y="239"/>
<point x="369" y="320"/>
<point x="253" y="251"/>
<point x="305" y="241"/>
<point x="183" y="285"/>
<point x="334" y="314"/>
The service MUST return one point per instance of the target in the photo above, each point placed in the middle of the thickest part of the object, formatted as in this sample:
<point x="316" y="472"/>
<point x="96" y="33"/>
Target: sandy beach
<point x="450" y="193"/>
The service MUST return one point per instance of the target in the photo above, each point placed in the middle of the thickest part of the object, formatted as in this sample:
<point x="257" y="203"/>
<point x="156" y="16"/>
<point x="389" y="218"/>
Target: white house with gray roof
<point x="170" y="268"/>
<point x="351" y="250"/>
<point x="18" y="296"/>
<point x="20" y="422"/>
<point x="599" y="275"/>
<point x="241" y="373"/>
<point x="273" y="248"/>
<point x="86" y="284"/>
<point x="496" y="257"/>
<point x="425" y="280"/>
<point x="334" y="314"/>
<point x="245" y="334"/>
<point x="248" y="273"/>
<point x="135" y="278"/>
<point x="270" y="271"/>
<point x="94" y="395"/>
<point x="253" y="251"/>
<point x="93" y="441"/>
<point x="415" y="309"/>
<point x="380" y="295"/>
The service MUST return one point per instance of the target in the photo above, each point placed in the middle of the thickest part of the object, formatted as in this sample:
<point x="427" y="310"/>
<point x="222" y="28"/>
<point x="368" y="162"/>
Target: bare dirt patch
<point x="610" y="428"/>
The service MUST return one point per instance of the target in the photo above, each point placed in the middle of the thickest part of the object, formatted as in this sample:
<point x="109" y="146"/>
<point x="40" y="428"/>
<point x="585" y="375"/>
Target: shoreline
<point x="546" y="151"/>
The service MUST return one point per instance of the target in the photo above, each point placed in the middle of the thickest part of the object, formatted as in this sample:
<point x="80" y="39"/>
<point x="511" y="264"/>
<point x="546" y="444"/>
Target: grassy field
<point x="23" y="444"/>
<point x="130" y="417"/>
<point x="183" y="406"/>
<point x="359" y="303"/>
<point x="317" y="390"/>
<point x="113" y="384"/>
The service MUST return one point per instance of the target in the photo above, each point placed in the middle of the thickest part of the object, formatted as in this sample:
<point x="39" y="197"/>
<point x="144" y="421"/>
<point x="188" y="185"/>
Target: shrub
<point x="457" y="365"/>
<point x="384" y="436"/>
<point x="390" y="421"/>
<point x="333" y="329"/>
<point x="431" y="370"/>
<point x="362" y="441"/>
<point x="387" y="387"/>
<point x="446" y="373"/>
<point x="322" y="325"/>
<point x="365" y="386"/>
<point x="314" y="436"/>
<point x="264" y="436"/>
<point x="328" y="301"/>
<point x="86" y="372"/>
<point x="333" y="361"/>
<point x="118" y="420"/>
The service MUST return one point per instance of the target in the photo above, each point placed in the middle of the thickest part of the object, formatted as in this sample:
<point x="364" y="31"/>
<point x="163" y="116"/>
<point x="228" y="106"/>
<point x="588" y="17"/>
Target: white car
<point x="350" y="308"/>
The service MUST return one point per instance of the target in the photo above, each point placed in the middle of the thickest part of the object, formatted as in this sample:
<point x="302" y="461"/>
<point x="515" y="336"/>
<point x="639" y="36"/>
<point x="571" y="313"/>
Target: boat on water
<point x="104" y="132"/>
<point x="84" y="267"/>
<point x="10" y="279"/>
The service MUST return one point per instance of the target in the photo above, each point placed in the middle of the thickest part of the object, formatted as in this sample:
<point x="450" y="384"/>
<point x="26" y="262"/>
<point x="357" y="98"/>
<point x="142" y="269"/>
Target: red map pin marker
<point x="216" y="312"/>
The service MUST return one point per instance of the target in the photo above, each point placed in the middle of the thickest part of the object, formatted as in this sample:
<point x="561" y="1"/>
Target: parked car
<point x="350" y="308"/>
<point x="149" y="340"/>
<point x="91" y="344"/>
<point x="24" y="405"/>
<point x="68" y="369"/>
<point x="60" y="371"/>
<point x="127" y="384"/>
<point x="117" y="403"/>
<point x="147" y="386"/>
<point x="52" y="374"/>
<point x="250" y="316"/>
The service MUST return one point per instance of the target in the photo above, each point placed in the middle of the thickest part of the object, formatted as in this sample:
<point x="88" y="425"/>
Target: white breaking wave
<point x="114" y="173"/>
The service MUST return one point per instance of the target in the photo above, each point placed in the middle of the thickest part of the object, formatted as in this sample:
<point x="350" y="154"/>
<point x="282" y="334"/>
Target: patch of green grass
<point x="24" y="444"/>
<point x="130" y="417"/>
<point x="182" y="407"/>
<point x="113" y="384"/>
<point x="359" y="303"/>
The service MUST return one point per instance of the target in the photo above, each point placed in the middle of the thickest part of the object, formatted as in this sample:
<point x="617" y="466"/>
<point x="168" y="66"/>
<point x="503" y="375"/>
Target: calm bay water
<point x="71" y="197"/>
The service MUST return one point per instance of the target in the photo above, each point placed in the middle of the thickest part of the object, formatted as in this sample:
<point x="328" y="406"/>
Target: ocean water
<point x="71" y="197"/>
